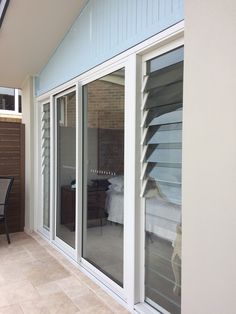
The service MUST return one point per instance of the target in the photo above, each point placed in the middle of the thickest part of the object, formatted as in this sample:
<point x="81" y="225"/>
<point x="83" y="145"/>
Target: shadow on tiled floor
<point x="36" y="278"/>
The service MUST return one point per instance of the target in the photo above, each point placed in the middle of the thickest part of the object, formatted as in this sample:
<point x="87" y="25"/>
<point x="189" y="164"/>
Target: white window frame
<point x="143" y="307"/>
<point x="14" y="112"/>
<point x="66" y="248"/>
<point x="132" y="295"/>
<point x="38" y="161"/>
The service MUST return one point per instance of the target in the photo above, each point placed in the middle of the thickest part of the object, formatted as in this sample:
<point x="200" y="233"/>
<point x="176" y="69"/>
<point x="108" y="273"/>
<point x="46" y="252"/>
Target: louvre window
<point x="46" y="164"/>
<point x="161" y="177"/>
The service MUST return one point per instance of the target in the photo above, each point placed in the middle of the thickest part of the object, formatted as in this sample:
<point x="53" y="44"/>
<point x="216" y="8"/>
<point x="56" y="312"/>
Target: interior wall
<point x="105" y="127"/>
<point x="209" y="158"/>
<point x="67" y="142"/>
<point x="28" y="120"/>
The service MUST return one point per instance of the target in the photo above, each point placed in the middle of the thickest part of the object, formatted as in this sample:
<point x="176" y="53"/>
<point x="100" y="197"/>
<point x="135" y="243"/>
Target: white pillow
<point x="116" y="188"/>
<point x="118" y="180"/>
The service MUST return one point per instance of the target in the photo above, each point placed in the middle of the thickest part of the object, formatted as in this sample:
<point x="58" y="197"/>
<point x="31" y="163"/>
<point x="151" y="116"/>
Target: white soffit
<point x="30" y="32"/>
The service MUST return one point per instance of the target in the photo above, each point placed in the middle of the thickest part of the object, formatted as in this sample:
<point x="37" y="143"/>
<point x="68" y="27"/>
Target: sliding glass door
<point x="103" y="205"/>
<point x="65" y="171"/>
<point x="162" y="147"/>
<point x="128" y="238"/>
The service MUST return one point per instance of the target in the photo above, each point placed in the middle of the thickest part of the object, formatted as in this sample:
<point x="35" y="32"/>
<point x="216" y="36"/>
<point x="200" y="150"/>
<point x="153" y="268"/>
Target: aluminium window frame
<point x="143" y="307"/>
<point x="38" y="160"/>
<point x="14" y="112"/>
<point x="132" y="297"/>
<point x="72" y="252"/>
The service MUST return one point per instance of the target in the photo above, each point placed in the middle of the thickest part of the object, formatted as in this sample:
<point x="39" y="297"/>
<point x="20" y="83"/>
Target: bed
<point x="162" y="217"/>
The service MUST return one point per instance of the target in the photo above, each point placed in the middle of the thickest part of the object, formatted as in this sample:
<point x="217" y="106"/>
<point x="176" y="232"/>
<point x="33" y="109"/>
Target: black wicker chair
<point x="5" y="188"/>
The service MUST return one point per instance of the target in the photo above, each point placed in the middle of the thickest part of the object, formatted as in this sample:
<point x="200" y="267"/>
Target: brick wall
<point x="106" y="112"/>
<point x="71" y="112"/>
<point x="105" y="105"/>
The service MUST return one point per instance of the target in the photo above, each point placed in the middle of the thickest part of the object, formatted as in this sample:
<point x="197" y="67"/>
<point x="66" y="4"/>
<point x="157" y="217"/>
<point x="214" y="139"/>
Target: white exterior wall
<point x="209" y="159"/>
<point x="28" y="120"/>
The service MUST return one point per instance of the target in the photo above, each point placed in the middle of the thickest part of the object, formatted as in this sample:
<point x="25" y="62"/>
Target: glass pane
<point x="104" y="174"/>
<point x="19" y="100"/>
<point x="7" y="98"/>
<point x="163" y="181"/>
<point x="46" y="164"/>
<point x="66" y="168"/>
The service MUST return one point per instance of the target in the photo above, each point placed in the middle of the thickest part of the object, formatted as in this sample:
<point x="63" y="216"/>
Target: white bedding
<point x="162" y="216"/>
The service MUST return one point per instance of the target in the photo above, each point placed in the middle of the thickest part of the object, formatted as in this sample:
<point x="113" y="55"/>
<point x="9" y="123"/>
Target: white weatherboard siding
<point x="209" y="159"/>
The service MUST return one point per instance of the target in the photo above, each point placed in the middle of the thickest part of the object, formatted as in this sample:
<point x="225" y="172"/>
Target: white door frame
<point x="133" y="60"/>
<point x="119" y="291"/>
<point x="55" y="239"/>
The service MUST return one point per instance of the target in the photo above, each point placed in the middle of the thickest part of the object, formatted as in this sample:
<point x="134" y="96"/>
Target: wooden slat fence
<point x="12" y="163"/>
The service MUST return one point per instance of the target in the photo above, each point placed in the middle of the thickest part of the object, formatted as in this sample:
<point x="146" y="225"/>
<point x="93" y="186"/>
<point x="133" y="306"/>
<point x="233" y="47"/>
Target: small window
<point x="7" y="98"/>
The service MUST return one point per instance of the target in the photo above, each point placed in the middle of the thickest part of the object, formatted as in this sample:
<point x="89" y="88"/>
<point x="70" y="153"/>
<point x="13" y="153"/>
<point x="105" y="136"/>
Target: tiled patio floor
<point x="35" y="278"/>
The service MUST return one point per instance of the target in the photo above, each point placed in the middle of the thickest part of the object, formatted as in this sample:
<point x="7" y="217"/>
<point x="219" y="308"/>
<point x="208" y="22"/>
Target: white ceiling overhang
<point x="30" y="32"/>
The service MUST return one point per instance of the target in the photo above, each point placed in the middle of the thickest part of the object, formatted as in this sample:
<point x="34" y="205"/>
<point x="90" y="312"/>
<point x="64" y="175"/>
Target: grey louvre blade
<point x="153" y="129"/>
<point x="164" y="77"/>
<point x="167" y="59"/>
<point x="166" y="155"/>
<point x="165" y="95"/>
<point x="165" y="174"/>
<point x="168" y="118"/>
<point x="159" y="115"/>
<point x="172" y="136"/>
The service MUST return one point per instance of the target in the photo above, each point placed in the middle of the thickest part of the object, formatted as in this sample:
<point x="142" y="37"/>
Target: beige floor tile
<point x="11" y="309"/>
<point x="48" y="288"/>
<point x="3" y="299"/>
<point x="115" y="306"/>
<point x="97" y="309"/>
<point x="2" y="280"/>
<point x="73" y="287"/>
<point x="8" y="249"/>
<point x="68" y="282"/>
<point x="11" y="273"/>
<point x="44" y="271"/>
<point x="39" y="279"/>
<point x="110" y="302"/>
<point x="37" y="251"/>
<point x="104" y="295"/>
<point x="19" y="291"/>
<point x="87" y="301"/>
<point x="91" y="284"/>
<point x="57" y="303"/>
<point x="20" y="257"/>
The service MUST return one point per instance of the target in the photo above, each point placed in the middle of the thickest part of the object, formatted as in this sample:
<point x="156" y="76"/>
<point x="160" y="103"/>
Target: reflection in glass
<point x="46" y="164"/>
<point x="163" y="161"/>
<point x="104" y="174"/>
<point x="7" y="98"/>
<point x="66" y="168"/>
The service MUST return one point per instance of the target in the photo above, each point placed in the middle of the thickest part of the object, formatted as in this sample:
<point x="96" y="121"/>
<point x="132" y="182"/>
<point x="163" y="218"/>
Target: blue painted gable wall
<point x="104" y="29"/>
